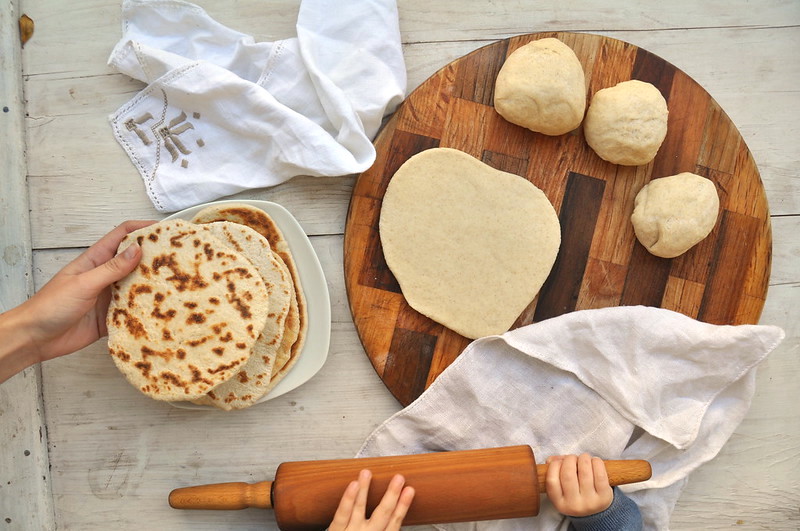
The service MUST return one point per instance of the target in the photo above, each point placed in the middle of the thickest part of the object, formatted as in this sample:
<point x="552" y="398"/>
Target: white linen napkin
<point x="222" y="113"/>
<point x="592" y="381"/>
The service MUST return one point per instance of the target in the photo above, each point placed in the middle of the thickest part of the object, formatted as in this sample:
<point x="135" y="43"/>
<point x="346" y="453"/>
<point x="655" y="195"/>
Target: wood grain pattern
<point x="722" y="280"/>
<point x="25" y="487"/>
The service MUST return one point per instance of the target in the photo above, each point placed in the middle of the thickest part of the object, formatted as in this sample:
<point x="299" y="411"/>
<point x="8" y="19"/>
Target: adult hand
<point x="69" y="312"/>
<point x="388" y="515"/>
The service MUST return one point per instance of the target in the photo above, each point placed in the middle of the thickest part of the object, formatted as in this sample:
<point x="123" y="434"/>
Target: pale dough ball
<point x="541" y="86"/>
<point x="627" y="123"/>
<point x="674" y="213"/>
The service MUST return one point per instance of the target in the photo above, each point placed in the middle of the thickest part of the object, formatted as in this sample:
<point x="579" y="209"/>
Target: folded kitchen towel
<point x="222" y="113"/>
<point x="619" y="383"/>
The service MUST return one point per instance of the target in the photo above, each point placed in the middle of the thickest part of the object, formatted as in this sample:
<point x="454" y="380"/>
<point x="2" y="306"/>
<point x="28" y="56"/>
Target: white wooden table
<point x="82" y="449"/>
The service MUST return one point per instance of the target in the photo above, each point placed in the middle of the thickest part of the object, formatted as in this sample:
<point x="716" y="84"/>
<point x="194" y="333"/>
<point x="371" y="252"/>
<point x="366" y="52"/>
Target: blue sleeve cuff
<point x="622" y="515"/>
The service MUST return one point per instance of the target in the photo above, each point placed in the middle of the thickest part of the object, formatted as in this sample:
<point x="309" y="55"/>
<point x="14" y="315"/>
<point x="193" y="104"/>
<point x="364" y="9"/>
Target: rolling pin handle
<point x="225" y="496"/>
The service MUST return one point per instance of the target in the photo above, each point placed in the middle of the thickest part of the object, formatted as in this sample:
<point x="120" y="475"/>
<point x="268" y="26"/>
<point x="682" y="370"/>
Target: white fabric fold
<point x="619" y="383"/>
<point x="222" y="113"/>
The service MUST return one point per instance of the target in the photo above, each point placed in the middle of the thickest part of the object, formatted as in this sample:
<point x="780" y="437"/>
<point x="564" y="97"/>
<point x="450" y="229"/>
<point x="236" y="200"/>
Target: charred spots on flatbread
<point x="167" y="354"/>
<point x="121" y="354"/>
<point x="153" y="237"/>
<point x="196" y="342"/>
<point x="224" y="367"/>
<point x="180" y="279"/>
<point x="163" y="316"/>
<point x="237" y="302"/>
<point x="219" y="351"/>
<point x="197" y="375"/>
<point x="176" y="241"/>
<point x="145" y="367"/>
<point x="213" y="300"/>
<point x="242" y="376"/>
<point x="166" y="335"/>
<point x="136" y="290"/>
<point x="121" y="317"/>
<point x="196" y="318"/>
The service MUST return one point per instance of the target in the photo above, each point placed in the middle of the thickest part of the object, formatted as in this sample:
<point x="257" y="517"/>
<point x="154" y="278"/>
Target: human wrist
<point x="17" y="348"/>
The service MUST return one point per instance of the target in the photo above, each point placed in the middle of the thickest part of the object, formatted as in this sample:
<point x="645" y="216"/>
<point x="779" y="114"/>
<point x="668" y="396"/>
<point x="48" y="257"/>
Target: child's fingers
<point x="383" y="512"/>
<point x="553" y="478"/>
<point x="600" y="475"/>
<point x="345" y="508"/>
<point x="360" y="505"/>
<point x="569" y="476"/>
<point x="586" y="483"/>
<point x="400" y="511"/>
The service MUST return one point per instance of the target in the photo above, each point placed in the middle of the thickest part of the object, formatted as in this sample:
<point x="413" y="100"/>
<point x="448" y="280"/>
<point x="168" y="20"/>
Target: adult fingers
<point x="345" y="508"/>
<point x="106" y="247"/>
<point x="97" y="279"/>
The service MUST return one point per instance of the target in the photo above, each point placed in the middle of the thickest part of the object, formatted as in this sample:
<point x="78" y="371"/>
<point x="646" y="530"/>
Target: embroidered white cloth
<point x="591" y="381"/>
<point x="222" y="113"/>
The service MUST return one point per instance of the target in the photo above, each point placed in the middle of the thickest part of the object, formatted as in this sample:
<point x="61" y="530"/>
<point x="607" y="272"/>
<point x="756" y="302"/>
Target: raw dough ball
<point x="627" y="123"/>
<point x="541" y="86"/>
<point x="674" y="213"/>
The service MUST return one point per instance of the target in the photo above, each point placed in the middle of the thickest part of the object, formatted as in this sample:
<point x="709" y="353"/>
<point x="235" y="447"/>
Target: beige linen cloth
<point x="619" y="383"/>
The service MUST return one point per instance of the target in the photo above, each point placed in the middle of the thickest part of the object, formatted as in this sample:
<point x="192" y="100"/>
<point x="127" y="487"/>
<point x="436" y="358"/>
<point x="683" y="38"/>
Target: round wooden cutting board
<point x="722" y="280"/>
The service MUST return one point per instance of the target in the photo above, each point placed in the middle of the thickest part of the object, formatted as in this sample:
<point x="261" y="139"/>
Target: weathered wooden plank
<point x="114" y="463"/>
<point x="84" y="28"/>
<point x="71" y="146"/>
<point x="25" y="494"/>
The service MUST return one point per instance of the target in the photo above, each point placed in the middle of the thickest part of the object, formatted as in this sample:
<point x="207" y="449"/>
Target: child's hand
<point x="578" y="486"/>
<point x="388" y="515"/>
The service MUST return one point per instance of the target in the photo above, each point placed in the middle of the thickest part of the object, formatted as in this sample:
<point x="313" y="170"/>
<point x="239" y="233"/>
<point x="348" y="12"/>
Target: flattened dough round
<point x="470" y="245"/>
<point x="627" y="123"/>
<point x="541" y="86"/>
<point x="672" y="214"/>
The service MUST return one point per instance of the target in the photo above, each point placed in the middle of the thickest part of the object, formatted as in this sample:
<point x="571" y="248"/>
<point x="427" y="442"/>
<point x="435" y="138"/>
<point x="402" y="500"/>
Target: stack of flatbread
<point x="214" y="314"/>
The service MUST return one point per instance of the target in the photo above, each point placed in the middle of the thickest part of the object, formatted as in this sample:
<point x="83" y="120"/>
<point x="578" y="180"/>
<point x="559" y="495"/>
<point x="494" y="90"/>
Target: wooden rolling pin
<point x="461" y="486"/>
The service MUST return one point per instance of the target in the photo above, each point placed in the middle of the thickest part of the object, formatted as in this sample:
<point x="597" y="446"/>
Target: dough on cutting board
<point x="627" y="123"/>
<point x="541" y="86"/>
<point x="469" y="245"/>
<point x="672" y="214"/>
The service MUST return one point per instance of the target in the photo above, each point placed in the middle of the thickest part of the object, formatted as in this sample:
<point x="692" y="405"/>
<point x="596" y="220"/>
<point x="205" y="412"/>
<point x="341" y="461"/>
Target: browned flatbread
<point x="254" y="378"/>
<point x="186" y="319"/>
<point x="262" y="223"/>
